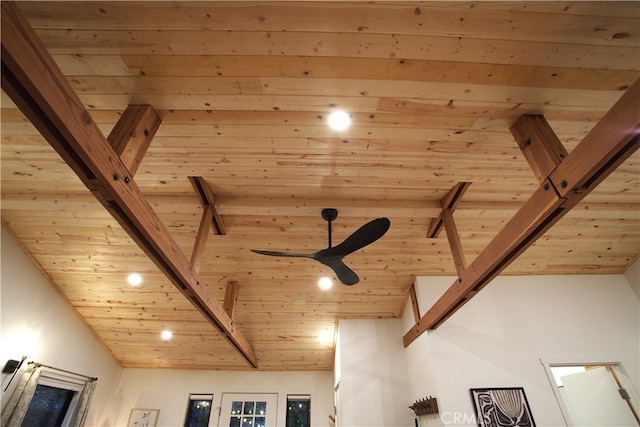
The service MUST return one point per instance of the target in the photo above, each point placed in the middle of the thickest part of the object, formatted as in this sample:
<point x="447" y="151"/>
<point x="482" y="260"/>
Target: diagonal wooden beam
<point x="445" y="219"/>
<point x="454" y="241"/>
<point x="208" y="200"/>
<point x="35" y="83"/>
<point x="231" y="297"/>
<point x="210" y="217"/>
<point x="604" y="148"/>
<point x="201" y="239"/>
<point x="132" y="134"/>
<point x="611" y="141"/>
<point x="448" y="202"/>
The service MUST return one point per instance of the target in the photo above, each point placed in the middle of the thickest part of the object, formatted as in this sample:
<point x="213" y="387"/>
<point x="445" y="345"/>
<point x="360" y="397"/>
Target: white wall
<point x="37" y="322"/>
<point x="498" y="338"/>
<point x="374" y="386"/>
<point x="633" y="276"/>
<point x="168" y="390"/>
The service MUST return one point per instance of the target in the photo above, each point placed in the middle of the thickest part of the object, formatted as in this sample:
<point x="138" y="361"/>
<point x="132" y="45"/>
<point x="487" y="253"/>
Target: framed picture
<point x="505" y="406"/>
<point x="143" y="417"/>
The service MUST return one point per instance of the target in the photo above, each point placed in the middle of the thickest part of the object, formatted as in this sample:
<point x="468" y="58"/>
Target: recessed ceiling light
<point x="325" y="336"/>
<point x="166" y="335"/>
<point x="325" y="283"/>
<point x="134" y="279"/>
<point x="339" y="120"/>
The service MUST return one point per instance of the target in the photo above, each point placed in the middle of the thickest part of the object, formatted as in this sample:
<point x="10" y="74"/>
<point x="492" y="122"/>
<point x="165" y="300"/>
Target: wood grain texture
<point x="40" y="90"/>
<point x="131" y="136"/>
<point x="617" y="136"/>
<point x="539" y="145"/>
<point x="243" y="94"/>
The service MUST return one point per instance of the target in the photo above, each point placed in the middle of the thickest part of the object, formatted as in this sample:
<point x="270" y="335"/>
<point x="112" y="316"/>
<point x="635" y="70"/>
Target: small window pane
<point x="48" y="406"/>
<point x="261" y="408"/>
<point x="234" y="422"/>
<point x="260" y="422"/>
<point x="247" y="422"/>
<point x="248" y="408"/>
<point x="236" y="408"/>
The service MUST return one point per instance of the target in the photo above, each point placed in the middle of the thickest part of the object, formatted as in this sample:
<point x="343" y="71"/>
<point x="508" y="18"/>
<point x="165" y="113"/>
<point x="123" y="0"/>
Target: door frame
<point x="556" y="362"/>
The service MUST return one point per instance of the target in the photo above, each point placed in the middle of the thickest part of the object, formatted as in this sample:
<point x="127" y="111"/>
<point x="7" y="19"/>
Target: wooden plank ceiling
<point x="243" y="91"/>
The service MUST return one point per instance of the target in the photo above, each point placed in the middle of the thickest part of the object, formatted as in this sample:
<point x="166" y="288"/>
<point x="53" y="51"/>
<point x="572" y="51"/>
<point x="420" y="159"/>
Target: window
<point x="198" y="410"/>
<point x="248" y="414"/>
<point x="299" y="411"/>
<point x="48" y="406"/>
<point x="46" y="396"/>
<point x="248" y="409"/>
<point x="55" y="399"/>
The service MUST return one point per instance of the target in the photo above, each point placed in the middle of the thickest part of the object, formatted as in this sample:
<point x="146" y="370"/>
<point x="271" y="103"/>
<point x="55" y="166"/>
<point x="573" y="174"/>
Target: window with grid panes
<point x="248" y="414"/>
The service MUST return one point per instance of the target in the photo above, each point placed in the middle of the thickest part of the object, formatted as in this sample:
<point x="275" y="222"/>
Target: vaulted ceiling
<point x="242" y="91"/>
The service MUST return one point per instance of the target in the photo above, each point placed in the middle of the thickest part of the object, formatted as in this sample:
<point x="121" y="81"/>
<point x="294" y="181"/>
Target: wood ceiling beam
<point x="454" y="241"/>
<point x="34" y="82"/>
<point x="539" y="144"/>
<point x="131" y="136"/>
<point x="611" y="141"/>
<point x="208" y="199"/>
<point x="210" y="218"/>
<point x="201" y="238"/>
<point x="445" y="218"/>
<point x="448" y="202"/>
<point x="231" y="297"/>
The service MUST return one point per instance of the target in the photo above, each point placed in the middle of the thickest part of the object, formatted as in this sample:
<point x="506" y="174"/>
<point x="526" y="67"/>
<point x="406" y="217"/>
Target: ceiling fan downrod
<point x="329" y="214"/>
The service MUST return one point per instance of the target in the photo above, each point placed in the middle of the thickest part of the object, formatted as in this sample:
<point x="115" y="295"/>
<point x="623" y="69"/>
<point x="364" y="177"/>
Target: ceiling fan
<point x="332" y="256"/>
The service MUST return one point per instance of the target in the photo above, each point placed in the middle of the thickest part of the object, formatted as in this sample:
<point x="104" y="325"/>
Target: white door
<point x="248" y="410"/>
<point x="594" y="400"/>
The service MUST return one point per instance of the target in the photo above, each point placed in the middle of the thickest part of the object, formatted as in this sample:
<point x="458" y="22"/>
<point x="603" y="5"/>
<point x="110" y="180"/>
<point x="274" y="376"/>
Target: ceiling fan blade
<point x="332" y="257"/>
<point x="344" y="273"/>
<point x="363" y="236"/>
<point x="287" y="254"/>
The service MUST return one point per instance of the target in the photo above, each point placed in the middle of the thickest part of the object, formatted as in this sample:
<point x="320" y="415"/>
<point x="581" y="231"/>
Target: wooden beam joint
<point x="210" y="218"/>
<point x="208" y="199"/>
<point x="448" y="202"/>
<point x="609" y="143"/>
<point x="539" y="144"/>
<point x="131" y="136"/>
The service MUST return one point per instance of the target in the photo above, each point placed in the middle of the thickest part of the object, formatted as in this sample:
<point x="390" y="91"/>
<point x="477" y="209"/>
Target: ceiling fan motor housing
<point x="329" y="214"/>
